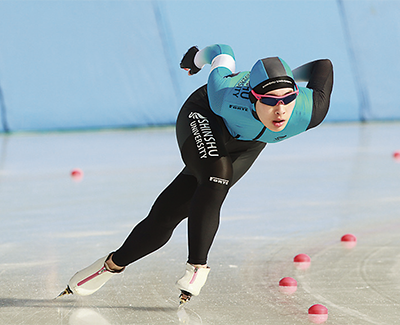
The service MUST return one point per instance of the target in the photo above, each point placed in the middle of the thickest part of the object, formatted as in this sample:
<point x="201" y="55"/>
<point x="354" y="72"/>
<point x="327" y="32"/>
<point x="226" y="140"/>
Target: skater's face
<point x="275" y="118"/>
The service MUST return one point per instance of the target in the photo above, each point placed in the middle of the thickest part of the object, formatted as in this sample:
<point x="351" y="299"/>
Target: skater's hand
<point x="187" y="62"/>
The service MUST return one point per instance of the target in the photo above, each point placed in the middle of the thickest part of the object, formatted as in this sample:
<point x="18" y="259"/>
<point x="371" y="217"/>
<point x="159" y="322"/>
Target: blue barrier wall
<point x="98" y="64"/>
<point x="374" y="33"/>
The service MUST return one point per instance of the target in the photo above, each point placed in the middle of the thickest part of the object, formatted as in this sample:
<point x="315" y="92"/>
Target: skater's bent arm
<point x="319" y="77"/>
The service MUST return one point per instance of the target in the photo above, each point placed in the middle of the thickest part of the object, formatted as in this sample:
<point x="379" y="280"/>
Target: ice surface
<point x="301" y="196"/>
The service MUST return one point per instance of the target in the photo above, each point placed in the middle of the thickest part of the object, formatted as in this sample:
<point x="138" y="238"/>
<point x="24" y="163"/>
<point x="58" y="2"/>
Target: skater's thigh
<point x="243" y="155"/>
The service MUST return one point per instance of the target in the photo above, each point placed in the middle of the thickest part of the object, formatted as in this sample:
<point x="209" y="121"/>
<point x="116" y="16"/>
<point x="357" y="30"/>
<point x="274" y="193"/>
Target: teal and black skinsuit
<point x="220" y="136"/>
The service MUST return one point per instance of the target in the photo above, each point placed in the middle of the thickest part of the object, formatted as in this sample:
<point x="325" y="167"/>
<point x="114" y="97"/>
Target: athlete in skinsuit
<point x="221" y="129"/>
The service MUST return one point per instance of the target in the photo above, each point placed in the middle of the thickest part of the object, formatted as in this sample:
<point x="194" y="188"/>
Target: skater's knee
<point x="219" y="172"/>
<point x="165" y="219"/>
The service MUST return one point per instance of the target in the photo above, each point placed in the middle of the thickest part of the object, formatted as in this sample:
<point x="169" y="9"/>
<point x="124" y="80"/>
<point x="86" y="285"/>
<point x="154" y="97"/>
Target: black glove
<point x="187" y="62"/>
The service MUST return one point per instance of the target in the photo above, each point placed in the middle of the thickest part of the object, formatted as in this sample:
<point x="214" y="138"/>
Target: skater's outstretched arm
<point x="218" y="55"/>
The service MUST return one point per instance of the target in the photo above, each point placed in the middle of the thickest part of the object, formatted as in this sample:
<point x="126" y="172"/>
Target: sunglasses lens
<point x="269" y="101"/>
<point x="289" y="99"/>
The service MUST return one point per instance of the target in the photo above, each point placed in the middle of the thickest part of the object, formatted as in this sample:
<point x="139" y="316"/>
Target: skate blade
<point x="67" y="291"/>
<point x="184" y="298"/>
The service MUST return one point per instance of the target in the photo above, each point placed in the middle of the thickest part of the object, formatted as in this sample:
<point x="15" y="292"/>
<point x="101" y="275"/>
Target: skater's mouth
<point x="278" y="123"/>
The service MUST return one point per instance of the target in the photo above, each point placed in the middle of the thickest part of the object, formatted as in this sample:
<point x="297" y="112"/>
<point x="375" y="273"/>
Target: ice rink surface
<point x="301" y="196"/>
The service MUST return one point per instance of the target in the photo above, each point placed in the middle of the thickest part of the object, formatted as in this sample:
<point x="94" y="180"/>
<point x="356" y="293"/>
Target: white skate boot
<point x="192" y="282"/>
<point x="90" y="279"/>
